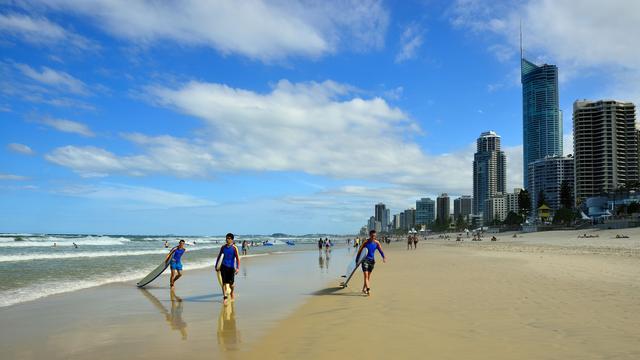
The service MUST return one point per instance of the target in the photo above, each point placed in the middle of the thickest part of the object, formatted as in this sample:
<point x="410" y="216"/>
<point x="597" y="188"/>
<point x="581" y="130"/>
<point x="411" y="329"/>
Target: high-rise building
<point x="605" y="146"/>
<point x="511" y="201"/>
<point x="547" y="175"/>
<point x="409" y="219"/>
<point x="495" y="208"/>
<point x="489" y="170"/>
<point x="380" y="213"/>
<point x="396" y="222"/>
<point x="371" y="224"/>
<point x="387" y="220"/>
<point x="443" y="206"/>
<point x="425" y="211"/>
<point x="462" y="207"/>
<point x="541" y="116"/>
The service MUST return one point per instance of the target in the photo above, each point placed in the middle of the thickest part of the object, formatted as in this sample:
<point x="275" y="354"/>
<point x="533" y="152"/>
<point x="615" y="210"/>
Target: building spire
<point x="521" y="51"/>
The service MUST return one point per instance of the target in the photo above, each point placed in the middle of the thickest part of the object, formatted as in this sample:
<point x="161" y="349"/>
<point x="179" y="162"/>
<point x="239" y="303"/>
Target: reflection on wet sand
<point x="174" y="317"/>
<point x="228" y="334"/>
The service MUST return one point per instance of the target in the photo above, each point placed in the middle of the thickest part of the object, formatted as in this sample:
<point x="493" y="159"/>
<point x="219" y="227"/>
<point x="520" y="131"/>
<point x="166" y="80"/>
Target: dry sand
<point x="541" y="296"/>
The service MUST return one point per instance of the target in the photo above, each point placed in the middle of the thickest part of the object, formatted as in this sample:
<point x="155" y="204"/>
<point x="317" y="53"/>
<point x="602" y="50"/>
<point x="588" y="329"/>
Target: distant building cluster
<point x="606" y="158"/>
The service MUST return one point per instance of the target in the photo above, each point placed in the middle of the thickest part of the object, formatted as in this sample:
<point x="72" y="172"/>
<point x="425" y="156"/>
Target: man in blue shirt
<point x="174" y="258"/>
<point x="371" y="245"/>
<point x="230" y="265"/>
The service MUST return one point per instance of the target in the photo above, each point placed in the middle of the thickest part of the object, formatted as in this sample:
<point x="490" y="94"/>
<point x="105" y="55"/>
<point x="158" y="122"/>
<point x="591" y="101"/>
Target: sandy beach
<point x="538" y="296"/>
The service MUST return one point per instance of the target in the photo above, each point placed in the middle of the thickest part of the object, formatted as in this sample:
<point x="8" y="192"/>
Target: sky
<point x="254" y="117"/>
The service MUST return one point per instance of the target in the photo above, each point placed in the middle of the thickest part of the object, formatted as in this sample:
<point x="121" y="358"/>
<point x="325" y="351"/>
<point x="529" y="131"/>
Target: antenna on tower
<point x="521" y="51"/>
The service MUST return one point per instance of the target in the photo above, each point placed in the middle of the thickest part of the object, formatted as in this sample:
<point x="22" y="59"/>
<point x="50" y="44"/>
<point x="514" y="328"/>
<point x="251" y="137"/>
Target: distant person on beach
<point x="75" y="246"/>
<point x="244" y="247"/>
<point x="371" y="245"/>
<point x="415" y="242"/>
<point x="175" y="262"/>
<point x="320" y="244"/>
<point x="409" y="242"/>
<point x="166" y="244"/>
<point x="230" y="265"/>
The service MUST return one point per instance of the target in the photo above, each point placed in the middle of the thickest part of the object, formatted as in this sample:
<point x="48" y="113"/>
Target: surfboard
<point x="153" y="274"/>
<point x="353" y="266"/>
<point x="218" y="264"/>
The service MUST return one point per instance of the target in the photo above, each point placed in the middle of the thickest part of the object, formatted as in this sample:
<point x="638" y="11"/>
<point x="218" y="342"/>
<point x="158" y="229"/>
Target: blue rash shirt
<point x="177" y="254"/>
<point x="371" y="247"/>
<point x="231" y="256"/>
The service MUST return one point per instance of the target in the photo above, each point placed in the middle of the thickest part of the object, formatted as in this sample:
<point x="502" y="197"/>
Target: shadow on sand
<point x="335" y="291"/>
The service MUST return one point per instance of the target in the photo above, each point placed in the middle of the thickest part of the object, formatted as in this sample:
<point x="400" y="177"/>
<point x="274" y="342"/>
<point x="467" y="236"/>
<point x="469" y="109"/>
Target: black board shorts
<point x="367" y="265"/>
<point x="228" y="274"/>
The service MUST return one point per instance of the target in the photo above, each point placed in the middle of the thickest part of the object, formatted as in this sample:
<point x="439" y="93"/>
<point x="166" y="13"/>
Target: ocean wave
<point x="37" y="291"/>
<point x="88" y="254"/>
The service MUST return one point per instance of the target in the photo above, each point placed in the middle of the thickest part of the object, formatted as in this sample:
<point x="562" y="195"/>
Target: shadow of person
<point x="174" y="316"/>
<point x="228" y="334"/>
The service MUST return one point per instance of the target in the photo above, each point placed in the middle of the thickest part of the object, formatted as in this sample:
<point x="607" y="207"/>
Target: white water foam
<point x="34" y="292"/>
<point x="89" y="254"/>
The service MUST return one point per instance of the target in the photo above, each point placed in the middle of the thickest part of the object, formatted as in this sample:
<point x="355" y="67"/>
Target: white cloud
<point x="135" y="195"/>
<point x="255" y="28"/>
<point x="68" y="126"/>
<point x="20" y="148"/>
<point x="317" y="128"/>
<point x="54" y="78"/>
<point x="40" y="31"/>
<point x="410" y="42"/>
<point x="580" y="38"/>
<point x="12" y="177"/>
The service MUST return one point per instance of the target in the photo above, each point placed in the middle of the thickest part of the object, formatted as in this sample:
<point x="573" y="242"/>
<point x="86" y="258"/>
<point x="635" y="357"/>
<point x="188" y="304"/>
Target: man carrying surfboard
<point x="230" y="265"/>
<point x="371" y="245"/>
<point x="174" y="259"/>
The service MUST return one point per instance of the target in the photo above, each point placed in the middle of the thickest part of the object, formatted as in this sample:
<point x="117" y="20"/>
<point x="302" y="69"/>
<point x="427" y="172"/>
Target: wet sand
<point x="119" y="321"/>
<point x="510" y="299"/>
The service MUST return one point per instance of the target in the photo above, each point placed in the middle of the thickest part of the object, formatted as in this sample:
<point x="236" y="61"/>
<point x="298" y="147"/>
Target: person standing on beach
<point x="174" y="259"/>
<point x="244" y="247"/>
<point x="320" y="244"/>
<point x="371" y="245"/>
<point x="230" y="265"/>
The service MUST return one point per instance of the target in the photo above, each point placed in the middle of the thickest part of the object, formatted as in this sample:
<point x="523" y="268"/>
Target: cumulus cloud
<point x="20" y="148"/>
<point x="38" y="30"/>
<point x="323" y="129"/>
<point x="264" y="30"/>
<point x="135" y="195"/>
<point x="410" y="42"/>
<point x="68" y="126"/>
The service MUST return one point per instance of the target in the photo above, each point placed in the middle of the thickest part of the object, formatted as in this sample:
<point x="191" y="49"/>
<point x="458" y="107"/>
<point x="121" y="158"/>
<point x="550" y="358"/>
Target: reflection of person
<point x="230" y="265"/>
<point x="174" y="258"/>
<point x="174" y="318"/>
<point x="321" y="261"/>
<point x="371" y="245"/>
<point x="228" y="335"/>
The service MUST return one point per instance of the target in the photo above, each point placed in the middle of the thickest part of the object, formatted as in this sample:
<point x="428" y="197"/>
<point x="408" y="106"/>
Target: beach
<point x="538" y="296"/>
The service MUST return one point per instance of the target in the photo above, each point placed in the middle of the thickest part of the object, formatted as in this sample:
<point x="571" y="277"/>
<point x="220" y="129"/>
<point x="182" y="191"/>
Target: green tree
<point x="513" y="219"/>
<point x="564" y="216"/>
<point x="541" y="199"/>
<point x="461" y="223"/>
<point x="566" y="195"/>
<point x="524" y="203"/>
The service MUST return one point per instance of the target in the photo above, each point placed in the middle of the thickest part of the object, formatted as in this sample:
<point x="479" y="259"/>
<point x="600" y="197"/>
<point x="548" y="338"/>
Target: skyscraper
<point x="462" y="207"/>
<point x="489" y="170"/>
<point x="547" y="175"/>
<point x="380" y="214"/>
<point x="541" y="116"/>
<point x="425" y="211"/>
<point x="443" y="208"/>
<point x="605" y="146"/>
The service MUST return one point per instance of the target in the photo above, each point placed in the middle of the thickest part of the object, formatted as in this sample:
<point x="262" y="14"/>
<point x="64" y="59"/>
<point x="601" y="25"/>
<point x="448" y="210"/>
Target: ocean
<point x="34" y="268"/>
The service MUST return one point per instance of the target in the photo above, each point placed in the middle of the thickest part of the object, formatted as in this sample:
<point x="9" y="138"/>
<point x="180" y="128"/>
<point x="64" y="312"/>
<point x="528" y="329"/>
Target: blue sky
<point x="283" y="116"/>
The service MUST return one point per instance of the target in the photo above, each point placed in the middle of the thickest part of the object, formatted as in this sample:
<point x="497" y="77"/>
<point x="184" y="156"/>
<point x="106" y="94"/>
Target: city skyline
<point x="299" y="122"/>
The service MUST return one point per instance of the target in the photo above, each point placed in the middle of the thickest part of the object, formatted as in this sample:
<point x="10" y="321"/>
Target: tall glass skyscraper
<point x="541" y="117"/>
<point x="489" y="170"/>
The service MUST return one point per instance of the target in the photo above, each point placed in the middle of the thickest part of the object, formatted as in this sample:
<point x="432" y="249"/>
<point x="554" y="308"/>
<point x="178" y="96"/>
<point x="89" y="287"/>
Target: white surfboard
<point x="353" y="266"/>
<point x="227" y="290"/>
<point x="153" y="274"/>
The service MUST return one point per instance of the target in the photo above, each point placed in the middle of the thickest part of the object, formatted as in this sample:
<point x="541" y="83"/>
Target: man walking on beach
<point x="174" y="258"/>
<point x="371" y="245"/>
<point x="230" y="265"/>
